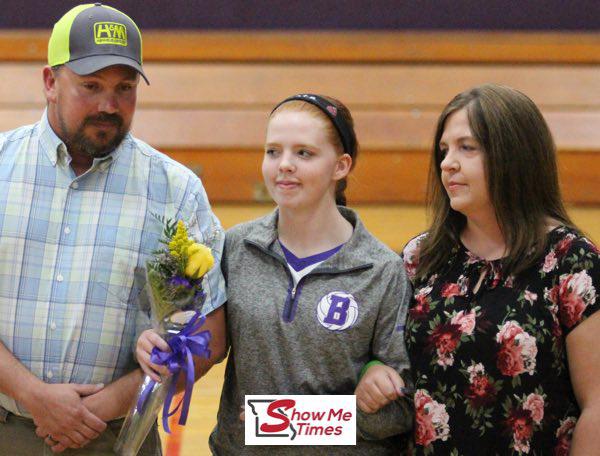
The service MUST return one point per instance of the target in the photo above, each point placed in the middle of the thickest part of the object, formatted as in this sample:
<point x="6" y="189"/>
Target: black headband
<point x="331" y="111"/>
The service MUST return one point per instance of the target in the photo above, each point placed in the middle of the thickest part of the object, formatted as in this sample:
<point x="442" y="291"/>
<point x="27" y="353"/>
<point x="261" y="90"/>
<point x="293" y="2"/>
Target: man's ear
<point x="343" y="166"/>
<point x="50" y="90"/>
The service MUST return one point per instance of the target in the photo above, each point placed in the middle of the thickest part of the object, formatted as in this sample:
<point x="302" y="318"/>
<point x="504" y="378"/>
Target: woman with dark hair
<point x="502" y="330"/>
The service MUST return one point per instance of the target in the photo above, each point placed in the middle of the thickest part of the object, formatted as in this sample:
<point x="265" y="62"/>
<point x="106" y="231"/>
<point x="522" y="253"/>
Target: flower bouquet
<point x="174" y="284"/>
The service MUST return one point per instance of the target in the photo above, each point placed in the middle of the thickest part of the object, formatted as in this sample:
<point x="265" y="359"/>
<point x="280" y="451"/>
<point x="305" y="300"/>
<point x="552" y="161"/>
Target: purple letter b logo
<point x="338" y="310"/>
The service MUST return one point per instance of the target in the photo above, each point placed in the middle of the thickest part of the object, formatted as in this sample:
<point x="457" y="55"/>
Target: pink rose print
<point x="449" y="290"/>
<point x="508" y="331"/>
<point x="420" y="310"/>
<point x="445" y="359"/>
<point x="530" y="296"/>
<point x="410" y="267"/>
<point x="517" y="350"/>
<point x="445" y="339"/>
<point x="510" y="281"/>
<point x="411" y="256"/>
<point x="521" y="425"/>
<point x="431" y="420"/>
<point x="575" y="292"/>
<point x="466" y="322"/>
<point x="481" y="391"/>
<point x="550" y="262"/>
<point x="425" y="432"/>
<point x="564" y="435"/>
<point x="535" y="404"/>
<point x="563" y="246"/>
<point x="497" y="277"/>
<point x="510" y="360"/>
<point x="556" y="328"/>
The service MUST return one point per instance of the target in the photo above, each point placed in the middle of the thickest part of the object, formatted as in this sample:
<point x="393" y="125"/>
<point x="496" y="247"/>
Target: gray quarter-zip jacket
<point x="282" y="342"/>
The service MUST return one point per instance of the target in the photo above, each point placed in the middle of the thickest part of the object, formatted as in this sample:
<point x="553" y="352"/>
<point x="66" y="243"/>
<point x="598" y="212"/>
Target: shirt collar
<point x="56" y="150"/>
<point x="52" y="145"/>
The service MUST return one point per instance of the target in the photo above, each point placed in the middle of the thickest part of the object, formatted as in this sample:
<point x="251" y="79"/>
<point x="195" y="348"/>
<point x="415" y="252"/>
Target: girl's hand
<point x="146" y="342"/>
<point x="379" y="386"/>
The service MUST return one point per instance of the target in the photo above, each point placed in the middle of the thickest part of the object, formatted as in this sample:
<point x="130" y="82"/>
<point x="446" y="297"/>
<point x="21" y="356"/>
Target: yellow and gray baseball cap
<point x="94" y="36"/>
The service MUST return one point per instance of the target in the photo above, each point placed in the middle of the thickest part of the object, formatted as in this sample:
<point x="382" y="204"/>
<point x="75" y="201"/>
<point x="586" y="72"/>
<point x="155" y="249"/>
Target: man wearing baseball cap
<point x="79" y="200"/>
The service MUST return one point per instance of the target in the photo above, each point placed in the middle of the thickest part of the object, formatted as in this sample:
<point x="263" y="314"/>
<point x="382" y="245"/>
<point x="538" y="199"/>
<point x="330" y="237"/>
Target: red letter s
<point x="273" y="413"/>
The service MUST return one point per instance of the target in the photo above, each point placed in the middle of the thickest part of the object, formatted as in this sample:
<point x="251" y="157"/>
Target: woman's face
<point x="463" y="167"/>
<point x="300" y="166"/>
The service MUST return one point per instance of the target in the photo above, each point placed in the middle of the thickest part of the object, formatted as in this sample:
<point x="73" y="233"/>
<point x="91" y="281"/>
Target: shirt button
<point x="60" y="278"/>
<point x="50" y="374"/>
<point x="75" y="185"/>
<point x="52" y="326"/>
<point x="67" y="230"/>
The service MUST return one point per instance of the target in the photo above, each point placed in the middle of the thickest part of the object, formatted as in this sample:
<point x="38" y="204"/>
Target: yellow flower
<point x="180" y="241"/>
<point x="199" y="261"/>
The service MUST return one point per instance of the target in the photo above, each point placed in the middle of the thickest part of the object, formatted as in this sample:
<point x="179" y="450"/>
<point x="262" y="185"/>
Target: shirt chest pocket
<point x="112" y="276"/>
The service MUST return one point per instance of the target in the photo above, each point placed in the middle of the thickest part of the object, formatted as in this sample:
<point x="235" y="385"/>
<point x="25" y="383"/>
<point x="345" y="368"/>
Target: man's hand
<point x="379" y="386"/>
<point x="59" y="413"/>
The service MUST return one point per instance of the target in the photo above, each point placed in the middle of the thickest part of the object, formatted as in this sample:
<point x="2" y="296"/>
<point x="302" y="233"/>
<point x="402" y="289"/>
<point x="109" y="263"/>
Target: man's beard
<point x="94" y="146"/>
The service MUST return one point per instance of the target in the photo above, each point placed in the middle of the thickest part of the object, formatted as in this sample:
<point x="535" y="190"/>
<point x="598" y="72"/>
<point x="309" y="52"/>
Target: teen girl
<point x="312" y="295"/>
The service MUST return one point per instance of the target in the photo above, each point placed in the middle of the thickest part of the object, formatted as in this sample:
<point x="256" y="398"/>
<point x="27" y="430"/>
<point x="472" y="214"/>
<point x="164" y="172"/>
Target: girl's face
<point x="463" y="167"/>
<point x="300" y="166"/>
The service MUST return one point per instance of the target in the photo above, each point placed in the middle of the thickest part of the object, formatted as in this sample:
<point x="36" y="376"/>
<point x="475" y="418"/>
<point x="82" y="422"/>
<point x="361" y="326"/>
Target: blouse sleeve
<point x="410" y="256"/>
<point x="575" y="291"/>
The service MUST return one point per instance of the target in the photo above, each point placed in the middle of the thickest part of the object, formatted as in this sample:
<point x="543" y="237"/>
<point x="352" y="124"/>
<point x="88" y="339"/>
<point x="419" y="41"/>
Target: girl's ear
<point x="343" y="166"/>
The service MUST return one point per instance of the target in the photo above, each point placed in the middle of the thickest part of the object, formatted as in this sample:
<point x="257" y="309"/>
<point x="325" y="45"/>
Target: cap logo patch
<point x="110" y="33"/>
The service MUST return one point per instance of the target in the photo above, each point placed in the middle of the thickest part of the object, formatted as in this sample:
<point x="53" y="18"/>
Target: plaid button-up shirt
<point x="71" y="249"/>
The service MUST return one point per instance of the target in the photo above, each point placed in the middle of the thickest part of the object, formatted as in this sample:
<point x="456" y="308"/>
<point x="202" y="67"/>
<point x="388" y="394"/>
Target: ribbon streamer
<point x="183" y="345"/>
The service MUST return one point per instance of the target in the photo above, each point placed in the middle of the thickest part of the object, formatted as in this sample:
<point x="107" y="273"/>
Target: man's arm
<point x="115" y="400"/>
<point x="56" y="408"/>
<point x="107" y="404"/>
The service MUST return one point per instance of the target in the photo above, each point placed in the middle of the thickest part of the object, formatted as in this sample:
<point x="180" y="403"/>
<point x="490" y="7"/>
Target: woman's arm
<point x="388" y="346"/>
<point x="584" y="368"/>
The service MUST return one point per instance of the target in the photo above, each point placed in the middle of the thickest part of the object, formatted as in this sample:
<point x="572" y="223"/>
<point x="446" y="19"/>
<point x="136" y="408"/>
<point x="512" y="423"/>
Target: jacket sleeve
<point x="388" y="346"/>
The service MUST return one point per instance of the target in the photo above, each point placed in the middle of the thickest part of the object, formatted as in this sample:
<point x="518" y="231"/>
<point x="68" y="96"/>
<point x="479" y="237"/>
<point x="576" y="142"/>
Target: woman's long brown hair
<point x="522" y="178"/>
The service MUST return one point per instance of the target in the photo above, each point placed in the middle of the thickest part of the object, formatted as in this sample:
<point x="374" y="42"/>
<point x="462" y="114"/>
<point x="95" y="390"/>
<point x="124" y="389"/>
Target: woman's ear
<point x="343" y="166"/>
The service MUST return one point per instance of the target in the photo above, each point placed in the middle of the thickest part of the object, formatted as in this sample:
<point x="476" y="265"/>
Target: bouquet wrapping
<point x="174" y="278"/>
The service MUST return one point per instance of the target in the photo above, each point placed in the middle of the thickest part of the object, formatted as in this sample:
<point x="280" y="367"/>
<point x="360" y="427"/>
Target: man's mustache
<point x="115" y="119"/>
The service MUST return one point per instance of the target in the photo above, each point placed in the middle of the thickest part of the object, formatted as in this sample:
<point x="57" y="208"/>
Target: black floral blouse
<point x="491" y="367"/>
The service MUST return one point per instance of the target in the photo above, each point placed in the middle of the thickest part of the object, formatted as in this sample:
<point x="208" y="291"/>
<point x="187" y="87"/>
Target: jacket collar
<point x="353" y="255"/>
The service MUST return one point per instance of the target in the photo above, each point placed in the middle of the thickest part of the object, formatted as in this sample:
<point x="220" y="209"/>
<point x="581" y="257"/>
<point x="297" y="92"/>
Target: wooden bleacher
<point x="209" y="110"/>
<point x="211" y="94"/>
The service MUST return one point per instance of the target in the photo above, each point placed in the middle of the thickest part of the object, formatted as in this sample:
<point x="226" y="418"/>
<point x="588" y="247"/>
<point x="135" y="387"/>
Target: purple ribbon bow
<point x="183" y="345"/>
